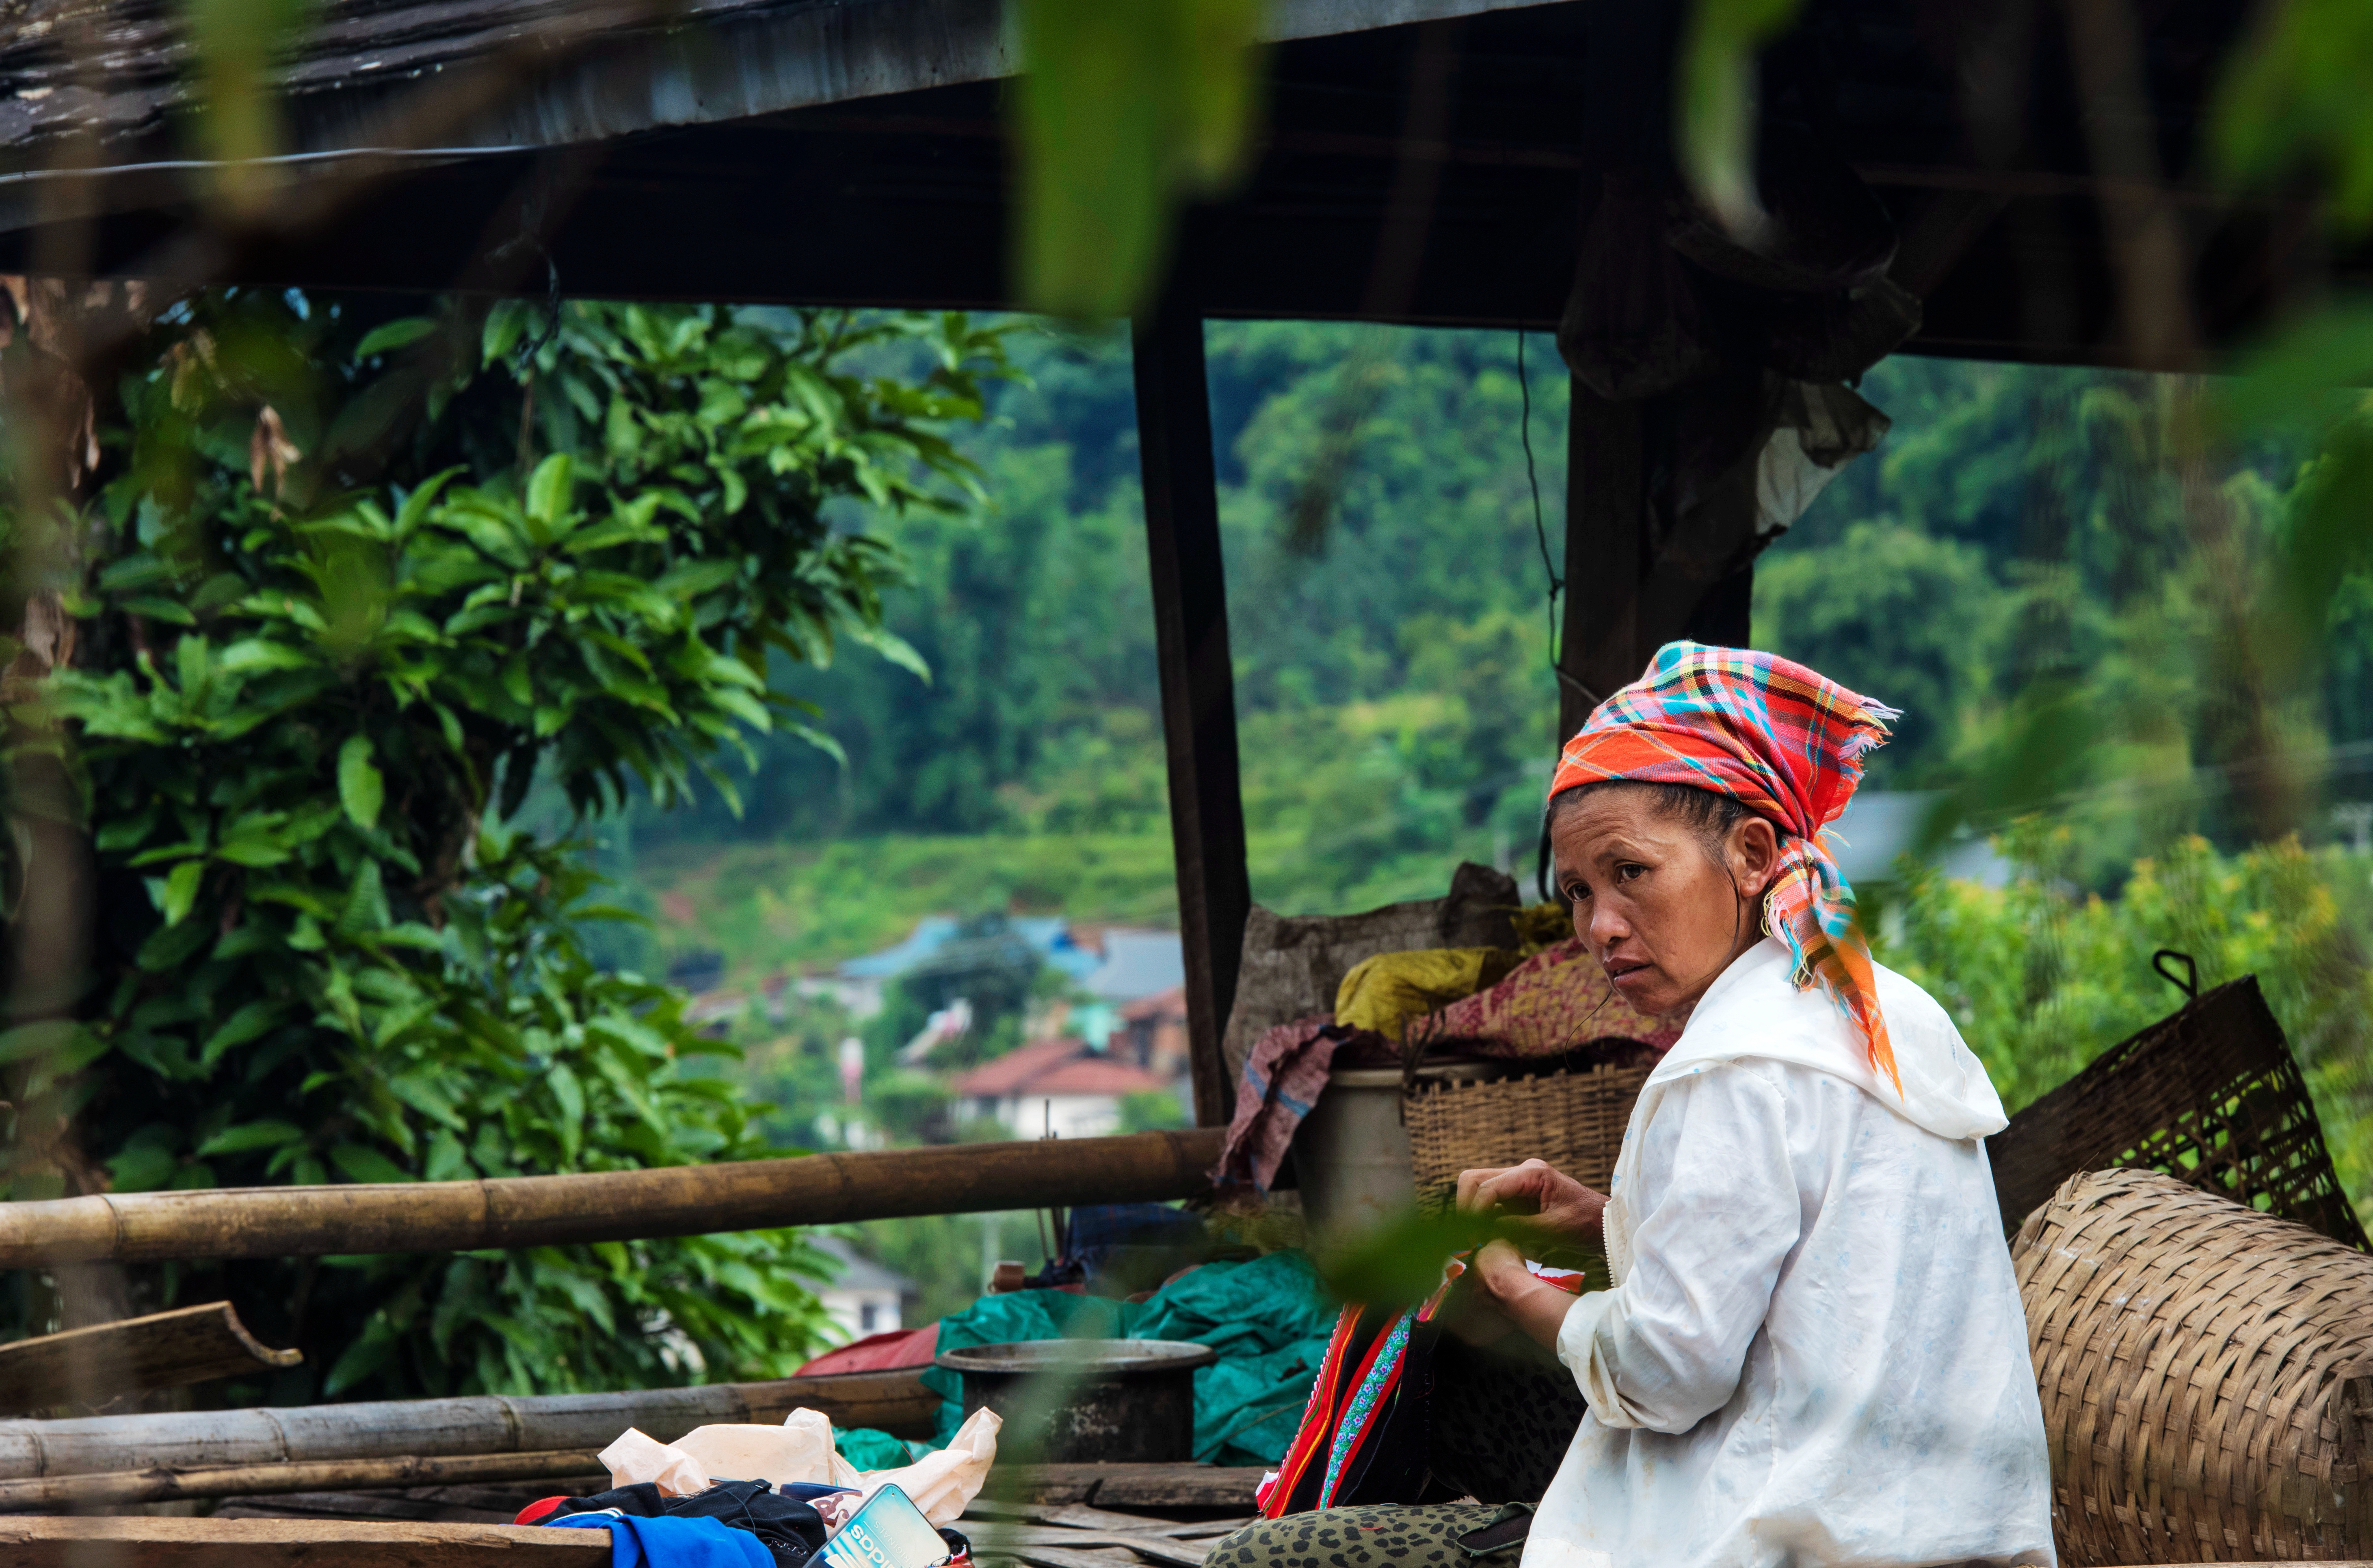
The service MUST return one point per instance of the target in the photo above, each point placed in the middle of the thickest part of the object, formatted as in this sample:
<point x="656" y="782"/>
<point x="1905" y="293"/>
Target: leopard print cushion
<point x="1380" y="1536"/>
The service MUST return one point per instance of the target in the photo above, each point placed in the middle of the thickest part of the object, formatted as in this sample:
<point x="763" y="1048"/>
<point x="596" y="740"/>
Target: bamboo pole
<point x="71" y="1494"/>
<point x="516" y="1212"/>
<point x="397" y="1430"/>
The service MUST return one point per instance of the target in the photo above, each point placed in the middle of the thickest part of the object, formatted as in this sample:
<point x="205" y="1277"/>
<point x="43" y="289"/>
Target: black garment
<point x="1501" y="1417"/>
<point x="786" y="1522"/>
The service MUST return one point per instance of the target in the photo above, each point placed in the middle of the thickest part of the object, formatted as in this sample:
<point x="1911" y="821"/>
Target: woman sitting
<point x="1815" y="1350"/>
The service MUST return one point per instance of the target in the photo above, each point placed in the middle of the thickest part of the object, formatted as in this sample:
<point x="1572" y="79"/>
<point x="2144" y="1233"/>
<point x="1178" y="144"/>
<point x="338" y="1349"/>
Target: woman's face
<point x="1662" y="909"/>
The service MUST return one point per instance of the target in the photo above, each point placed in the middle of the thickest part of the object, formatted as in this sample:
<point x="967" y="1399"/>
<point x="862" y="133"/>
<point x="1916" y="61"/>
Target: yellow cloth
<point x="1385" y="992"/>
<point x="1542" y="925"/>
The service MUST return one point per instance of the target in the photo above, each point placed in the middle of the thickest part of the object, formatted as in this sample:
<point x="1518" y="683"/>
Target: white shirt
<point x="1815" y="1351"/>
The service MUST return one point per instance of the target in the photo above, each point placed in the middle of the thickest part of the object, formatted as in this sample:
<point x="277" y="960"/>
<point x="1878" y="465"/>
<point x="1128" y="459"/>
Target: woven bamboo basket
<point x="2210" y="1095"/>
<point x="1574" y="1120"/>
<point x="2206" y="1373"/>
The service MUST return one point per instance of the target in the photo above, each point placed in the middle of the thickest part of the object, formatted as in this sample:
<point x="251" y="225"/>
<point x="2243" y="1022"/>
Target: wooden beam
<point x="514" y="1212"/>
<point x="164" y="1350"/>
<point x="1198" y="705"/>
<point x="287" y="1543"/>
<point x="1128" y="1486"/>
<point x="83" y="1494"/>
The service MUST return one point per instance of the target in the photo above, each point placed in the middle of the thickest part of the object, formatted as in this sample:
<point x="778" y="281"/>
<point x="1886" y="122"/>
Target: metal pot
<point x="1080" y="1401"/>
<point x="1351" y="1152"/>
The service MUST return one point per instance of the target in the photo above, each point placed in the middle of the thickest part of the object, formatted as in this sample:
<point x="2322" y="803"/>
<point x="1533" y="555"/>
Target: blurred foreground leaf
<point x="236" y="43"/>
<point x="1717" y="102"/>
<point x="1398" y="1263"/>
<point x="1125" y="111"/>
<point x="2294" y="101"/>
<point x="2044" y="751"/>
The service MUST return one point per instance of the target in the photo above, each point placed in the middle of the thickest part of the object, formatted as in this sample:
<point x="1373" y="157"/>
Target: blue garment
<point x="672" y="1543"/>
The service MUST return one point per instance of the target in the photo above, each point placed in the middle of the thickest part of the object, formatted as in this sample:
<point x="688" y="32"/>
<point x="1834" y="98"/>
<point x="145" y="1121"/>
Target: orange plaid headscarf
<point x="1788" y="746"/>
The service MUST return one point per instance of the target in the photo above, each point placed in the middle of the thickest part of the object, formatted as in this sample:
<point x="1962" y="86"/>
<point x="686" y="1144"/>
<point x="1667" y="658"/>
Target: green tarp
<point x="1268" y="1320"/>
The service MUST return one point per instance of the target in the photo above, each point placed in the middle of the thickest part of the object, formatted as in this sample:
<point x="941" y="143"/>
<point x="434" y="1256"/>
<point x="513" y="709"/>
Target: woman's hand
<point x="1532" y="1304"/>
<point x="1550" y="1207"/>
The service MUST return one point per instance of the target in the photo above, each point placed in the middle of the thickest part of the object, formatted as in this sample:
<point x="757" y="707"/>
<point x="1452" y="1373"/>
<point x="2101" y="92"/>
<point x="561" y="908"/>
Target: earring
<point x="1769" y="894"/>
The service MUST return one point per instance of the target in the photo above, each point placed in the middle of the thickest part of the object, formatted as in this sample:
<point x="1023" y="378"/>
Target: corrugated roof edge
<point x="728" y="60"/>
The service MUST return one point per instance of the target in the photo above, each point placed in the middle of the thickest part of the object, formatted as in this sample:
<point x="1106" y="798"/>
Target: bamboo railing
<point x="511" y="1434"/>
<point x="517" y="1211"/>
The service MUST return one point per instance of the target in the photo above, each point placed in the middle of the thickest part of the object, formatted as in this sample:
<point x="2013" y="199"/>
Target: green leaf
<point x="366" y="908"/>
<point x="505" y="323"/>
<point x="389" y="336"/>
<point x="29" y="1041"/>
<point x="254" y="653"/>
<point x="143" y="1167"/>
<point x="548" y="489"/>
<point x="892" y="646"/>
<point x="372" y="1351"/>
<point x="361" y="789"/>
<point x="360" y="1164"/>
<point x="253" y="1135"/>
<point x="250" y="1022"/>
<point x="168" y="610"/>
<point x="172" y="946"/>
<point x="181" y="891"/>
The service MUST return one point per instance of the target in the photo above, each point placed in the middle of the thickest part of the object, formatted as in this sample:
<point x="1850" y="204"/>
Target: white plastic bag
<point x="635" y="1457"/>
<point x="944" y="1483"/>
<point x="796" y="1451"/>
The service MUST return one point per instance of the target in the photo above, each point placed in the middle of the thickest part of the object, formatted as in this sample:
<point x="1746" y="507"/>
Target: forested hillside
<point x="2018" y="525"/>
<point x="1393" y="682"/>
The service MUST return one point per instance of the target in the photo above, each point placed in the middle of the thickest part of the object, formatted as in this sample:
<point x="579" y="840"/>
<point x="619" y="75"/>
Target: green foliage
<point x="2041" y="977"/>
<point x="1893" y="610"/>
<point x="313" y="700"/>
<point x="1151" y="1110"/>
<point x="2293" y="101"/>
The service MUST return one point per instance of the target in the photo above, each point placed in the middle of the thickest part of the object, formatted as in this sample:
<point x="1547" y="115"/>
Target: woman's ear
<point x="1754" y="852"/>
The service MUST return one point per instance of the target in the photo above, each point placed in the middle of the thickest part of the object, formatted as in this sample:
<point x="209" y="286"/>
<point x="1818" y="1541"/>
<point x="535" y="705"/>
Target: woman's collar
<point x="1740" y="972"/>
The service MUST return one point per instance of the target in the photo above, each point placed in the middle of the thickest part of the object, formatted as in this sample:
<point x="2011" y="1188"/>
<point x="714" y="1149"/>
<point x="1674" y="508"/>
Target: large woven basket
<point x="2210" y="1095"/>
<point x="2206" y="1373"/>
<point x="1574" y="1120"/>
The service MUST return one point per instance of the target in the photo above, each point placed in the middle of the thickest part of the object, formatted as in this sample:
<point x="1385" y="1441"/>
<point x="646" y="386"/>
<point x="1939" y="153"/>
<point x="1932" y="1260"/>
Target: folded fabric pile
<point x="1555" y="1002"/>
<point x="1384" y="993"/>
<point x="1284" y="1075"/>
<point x="749" y="1495"/>
<point x="1267" y="1319"/>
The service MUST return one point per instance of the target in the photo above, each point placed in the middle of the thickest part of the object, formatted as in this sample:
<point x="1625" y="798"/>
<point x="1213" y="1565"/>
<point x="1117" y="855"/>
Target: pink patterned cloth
<point x="1284" y="1074"/>
<point x="1553" y="1002"/>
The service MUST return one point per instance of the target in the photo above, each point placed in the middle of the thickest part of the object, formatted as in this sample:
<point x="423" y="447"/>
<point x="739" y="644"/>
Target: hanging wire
<point x="1532" y="478"/>
<point x="1549" y="569"/>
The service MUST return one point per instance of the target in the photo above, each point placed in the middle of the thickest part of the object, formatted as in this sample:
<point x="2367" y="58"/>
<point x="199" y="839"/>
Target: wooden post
<point x="1603" y="645"/>
<point x="1198" y="705"/>
<point x="1623" y="601"/>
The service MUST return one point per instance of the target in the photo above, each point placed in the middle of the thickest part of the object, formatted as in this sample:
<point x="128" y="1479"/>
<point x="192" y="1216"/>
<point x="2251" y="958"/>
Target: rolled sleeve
<point x="1718" y="1214"/>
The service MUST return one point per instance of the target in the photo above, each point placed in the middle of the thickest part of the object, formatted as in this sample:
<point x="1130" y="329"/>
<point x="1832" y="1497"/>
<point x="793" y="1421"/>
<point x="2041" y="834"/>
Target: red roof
<point x="878" y="1352"/>
<point x="1171" y="1002"/>
<point x="1054" y="1066"/>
